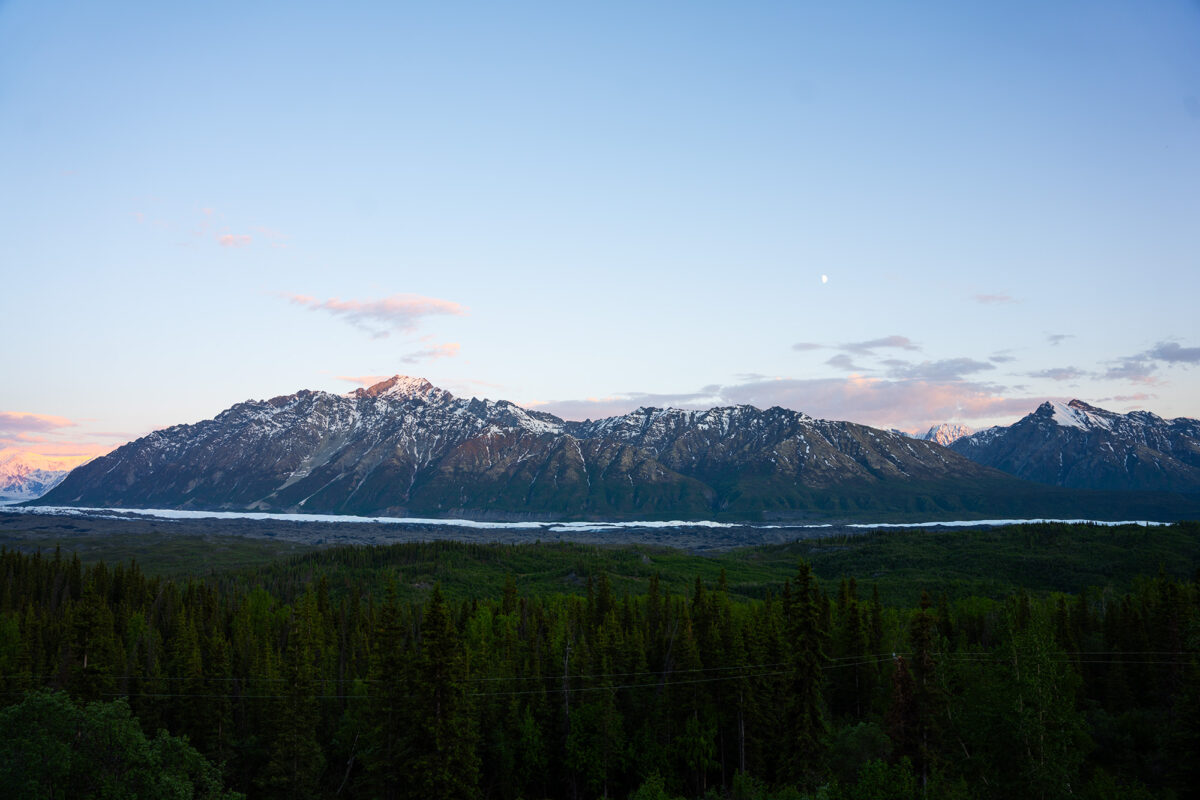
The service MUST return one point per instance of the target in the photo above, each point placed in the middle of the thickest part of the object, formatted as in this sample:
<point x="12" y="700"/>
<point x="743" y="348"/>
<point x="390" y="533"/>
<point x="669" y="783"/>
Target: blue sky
<point x="590" y="207"/>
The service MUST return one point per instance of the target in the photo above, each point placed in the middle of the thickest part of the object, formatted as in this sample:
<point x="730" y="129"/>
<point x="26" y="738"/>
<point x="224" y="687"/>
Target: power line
<point x="573" y="689"/>
<point x="837" y="662"/>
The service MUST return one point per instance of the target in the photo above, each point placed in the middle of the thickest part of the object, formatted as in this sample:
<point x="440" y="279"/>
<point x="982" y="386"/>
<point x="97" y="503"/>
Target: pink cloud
<point x="60" y="455"/>
<point x="906" y="404"/>
<point x="233" y="239"/>
<point x="39" y="439"/>
<point x="399" y="312"/>
<point x="993" y="299"/>
<point x="15" y="422"/>
<point x="24" y="438"/>
<point x="447" y="350"/>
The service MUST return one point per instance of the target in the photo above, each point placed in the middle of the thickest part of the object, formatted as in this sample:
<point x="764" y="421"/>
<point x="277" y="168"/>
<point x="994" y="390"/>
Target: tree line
<point x="338" y="692"/>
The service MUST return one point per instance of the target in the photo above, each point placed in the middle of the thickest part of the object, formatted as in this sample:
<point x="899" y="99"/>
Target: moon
<point x="824" y="279"/>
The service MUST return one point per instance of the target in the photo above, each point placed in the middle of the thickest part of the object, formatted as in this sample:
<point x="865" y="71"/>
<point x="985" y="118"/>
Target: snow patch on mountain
<point x="26" y="477"/>
<point x="1076" y="414"/>
<point x="1080" y="446"/>
<point x="946" y="433"/>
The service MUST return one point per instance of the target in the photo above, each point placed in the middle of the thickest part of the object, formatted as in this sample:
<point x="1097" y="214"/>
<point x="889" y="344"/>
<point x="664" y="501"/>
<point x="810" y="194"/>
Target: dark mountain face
<point x="404" y="447"/>
<point x="1079" y="446"/>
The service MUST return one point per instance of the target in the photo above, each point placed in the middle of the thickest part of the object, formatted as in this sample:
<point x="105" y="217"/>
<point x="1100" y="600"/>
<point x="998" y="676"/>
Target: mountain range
<point x="1077" y="445"/>
<point x="405" y="447"/>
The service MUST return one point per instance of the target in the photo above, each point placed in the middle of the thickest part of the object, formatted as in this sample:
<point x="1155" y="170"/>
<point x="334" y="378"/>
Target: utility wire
<point x="836" y="663"/>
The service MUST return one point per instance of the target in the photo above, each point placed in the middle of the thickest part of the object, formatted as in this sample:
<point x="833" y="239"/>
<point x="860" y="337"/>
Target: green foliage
<point x="162" y="552"/>
<point x="52" y="748"/>
<point x="852" y="746"/>
<point x="1104" y="786"/>
<point x="652" y="788"/>
<point x="440" y="748"/>
<point x="879" y="780"/>
<point x="1042" y="557"/>
<point x="806" y="635"/>
<point x="334" y="675"/>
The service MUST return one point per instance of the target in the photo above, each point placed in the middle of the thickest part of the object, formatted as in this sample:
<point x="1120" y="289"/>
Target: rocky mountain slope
<point x="1080" y="446"/>
<point x="404" y="446"/>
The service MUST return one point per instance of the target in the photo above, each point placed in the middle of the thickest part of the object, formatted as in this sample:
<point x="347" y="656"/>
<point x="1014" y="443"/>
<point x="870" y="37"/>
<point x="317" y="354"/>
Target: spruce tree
<point x="928" y="698"/>
<point x="442" y="760"/>
<point x="807" y="727"/>
<point x="296" y="762"/>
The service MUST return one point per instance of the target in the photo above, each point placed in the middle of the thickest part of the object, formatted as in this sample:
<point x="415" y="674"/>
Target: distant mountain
<point x="1080" y="446"/>
<point x="25" y="478"/>
<point x="404" y="446"/>
<point x="946" y="433"/>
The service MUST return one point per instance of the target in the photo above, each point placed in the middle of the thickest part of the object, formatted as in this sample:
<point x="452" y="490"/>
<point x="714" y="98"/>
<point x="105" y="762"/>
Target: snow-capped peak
<point x="24" y="476"/>
<point x="399" y="387"/>
<point x="1075" y="414"/>
<point x="946" y="433"/>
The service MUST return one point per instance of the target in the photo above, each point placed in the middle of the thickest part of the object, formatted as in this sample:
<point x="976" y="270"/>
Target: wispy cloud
<point x="45" y="438"/>
<point x="948" y="369"/>
<point x="1173" y="353"/>
<point x="864" y="348"/>
<point x="446" y="350"/>
<point x="867" y="347"/>
<point x="398" y="313"/>
<point x="1059" y="374"/>
<point x="1133" y="369"/>
<point x="844" y="362"/>
<point x="1142" y="367"/>
<point x="54" y="455"/>
<point x="24" y="422"/>
<point x="1056" y="339"/>
<point x="994" y="299"/>
<point x="207" y="224"/>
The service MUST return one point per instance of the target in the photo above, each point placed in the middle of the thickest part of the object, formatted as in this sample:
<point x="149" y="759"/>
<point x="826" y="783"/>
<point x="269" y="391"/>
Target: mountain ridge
<point x="1078" y="445"/>
<point x="404" y="447"/>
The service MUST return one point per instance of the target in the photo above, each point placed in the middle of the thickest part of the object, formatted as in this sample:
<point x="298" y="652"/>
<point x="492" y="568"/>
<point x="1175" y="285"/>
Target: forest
<point x="307" y="680"/>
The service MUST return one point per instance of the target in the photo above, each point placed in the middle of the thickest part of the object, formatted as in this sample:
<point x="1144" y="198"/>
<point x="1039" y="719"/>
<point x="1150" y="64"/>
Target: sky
<point x="895" y="214"/>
